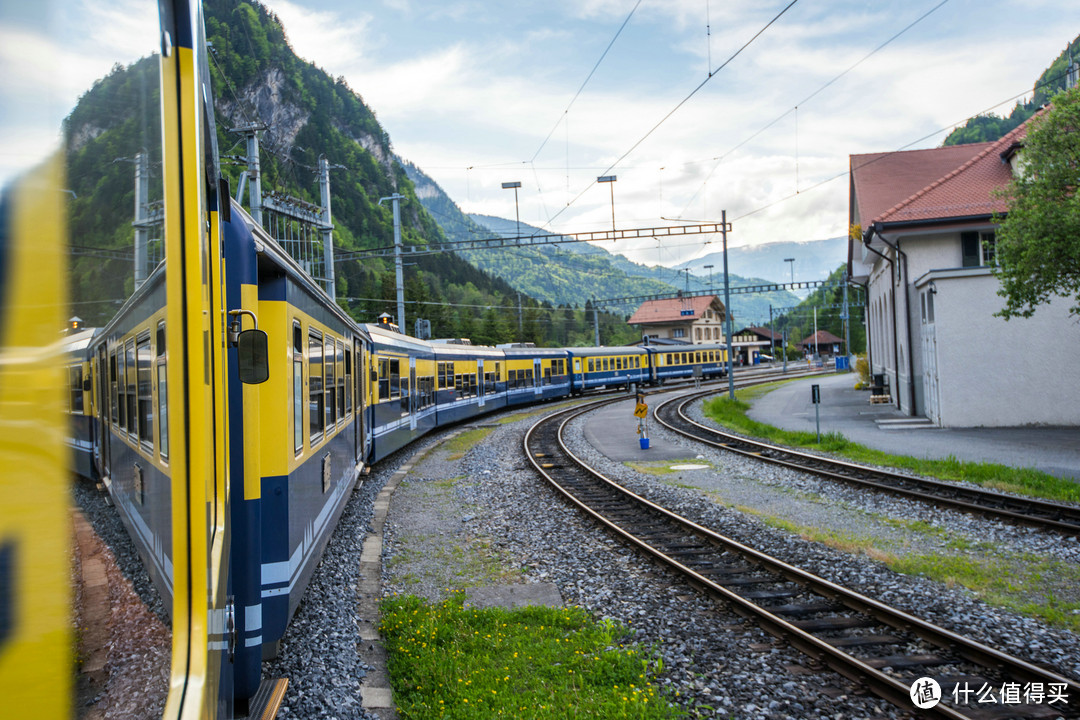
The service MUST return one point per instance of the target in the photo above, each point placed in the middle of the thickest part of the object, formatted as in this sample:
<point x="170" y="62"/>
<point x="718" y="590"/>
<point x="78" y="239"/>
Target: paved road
<point x="1055" y="450"/>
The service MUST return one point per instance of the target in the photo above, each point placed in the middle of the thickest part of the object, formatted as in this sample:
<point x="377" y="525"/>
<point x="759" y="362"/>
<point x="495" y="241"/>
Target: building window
<point x="678" y="333"/>
<point x="987" y="244"/>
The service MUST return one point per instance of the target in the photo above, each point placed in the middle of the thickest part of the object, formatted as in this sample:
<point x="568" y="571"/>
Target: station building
<point x="922" y="244"/>
<point x="695" y="320"/>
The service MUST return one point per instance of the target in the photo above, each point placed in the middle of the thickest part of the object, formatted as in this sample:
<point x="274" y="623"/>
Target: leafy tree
<point x="1038" y="242"/>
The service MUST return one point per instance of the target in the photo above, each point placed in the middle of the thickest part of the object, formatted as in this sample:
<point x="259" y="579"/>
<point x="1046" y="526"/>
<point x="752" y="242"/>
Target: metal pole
<point x="395" y="198"/>
<point x="142" y="195"/>
<point x="783" y="342"/>
<point x="727" y="309"/>
<point x="596" y="325"/>
<point x="327" y="232"/>
<point x="847" y="323"/>
<point x="254" y="177"/>
<point x="772" y="343"/>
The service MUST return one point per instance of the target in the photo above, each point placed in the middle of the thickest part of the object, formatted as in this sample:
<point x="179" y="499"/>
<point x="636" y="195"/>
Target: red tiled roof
<point x="670" y="310"/>
<point x="967" y="190"/>
<point x="824" y="337"/>
<point x="879" y="180"/>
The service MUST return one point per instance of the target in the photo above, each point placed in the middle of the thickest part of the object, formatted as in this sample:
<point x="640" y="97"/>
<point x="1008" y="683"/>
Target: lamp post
<point x="792" y="265"/>
<point x="610" y="179"/>
<point x="517" y="215"/>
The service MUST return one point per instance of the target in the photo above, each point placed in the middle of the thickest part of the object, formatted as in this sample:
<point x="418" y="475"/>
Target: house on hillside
<point x="922" y="244"/>
<point x="696" y="320"/>
<point x="822" y="343"/>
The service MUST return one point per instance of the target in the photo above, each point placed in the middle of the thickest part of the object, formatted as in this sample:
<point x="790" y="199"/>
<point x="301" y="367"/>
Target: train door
<point x="102" y="434"/>
<point x="538" y="376"/>
<point x="413" y="395"/>
<point x="481" y="385"/>
<point x="359" y="370"/>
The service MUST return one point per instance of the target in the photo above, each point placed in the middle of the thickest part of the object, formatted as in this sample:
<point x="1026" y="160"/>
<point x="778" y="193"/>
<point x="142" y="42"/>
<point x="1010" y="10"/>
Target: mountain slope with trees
<point x="257" y="79"/>
<point x="989" y="127"/>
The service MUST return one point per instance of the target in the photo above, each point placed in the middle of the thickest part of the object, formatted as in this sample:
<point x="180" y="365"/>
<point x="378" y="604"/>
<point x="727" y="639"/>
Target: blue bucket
<point x="644" y="443"/>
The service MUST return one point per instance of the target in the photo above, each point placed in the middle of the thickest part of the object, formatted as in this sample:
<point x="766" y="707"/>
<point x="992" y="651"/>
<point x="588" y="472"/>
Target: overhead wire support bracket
<point x="735" y="290"/>
<point x="499" y="243"/>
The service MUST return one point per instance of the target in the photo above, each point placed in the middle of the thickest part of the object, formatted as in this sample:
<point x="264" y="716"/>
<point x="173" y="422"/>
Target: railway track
<point x="885" y="651"/>
<point x="1028" y="511"/>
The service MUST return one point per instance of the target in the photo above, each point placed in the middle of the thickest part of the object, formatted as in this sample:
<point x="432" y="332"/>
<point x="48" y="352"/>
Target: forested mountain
<point x="798" y="323"/>
<point x="573" y="273"/>
<point x="990" y="127"/>
<point x="257" y="79"/>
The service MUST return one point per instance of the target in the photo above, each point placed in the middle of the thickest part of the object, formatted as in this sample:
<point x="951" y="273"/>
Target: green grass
<point x="1030" y="584"/>
<point x="1034" y="585"/>
<point x="461" y="444"/>
<point x="450" y="661"/>
<point x="732" y="414"/>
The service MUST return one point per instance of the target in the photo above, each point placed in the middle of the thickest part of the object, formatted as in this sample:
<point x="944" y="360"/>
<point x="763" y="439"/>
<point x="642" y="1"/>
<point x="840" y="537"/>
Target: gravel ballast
<point x="491" y="511"/>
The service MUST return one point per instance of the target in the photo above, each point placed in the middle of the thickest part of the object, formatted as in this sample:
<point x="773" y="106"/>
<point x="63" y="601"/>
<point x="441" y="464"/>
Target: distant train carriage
<point x="401" y="390"/>
<point x="601" y="367"/>
<point x="536" y="374"/>
<point x="80" y="403"/>
<point x="470" y="379"/>
<point x="670" y="362"/>
<point x="132" y="449"/>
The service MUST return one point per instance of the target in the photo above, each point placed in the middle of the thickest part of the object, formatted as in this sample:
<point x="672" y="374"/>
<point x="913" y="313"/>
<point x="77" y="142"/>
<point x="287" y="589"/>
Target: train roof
<point x="602" y="351"/>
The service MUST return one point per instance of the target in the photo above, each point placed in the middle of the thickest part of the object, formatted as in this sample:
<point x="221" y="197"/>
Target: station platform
<point x="1052" y="449"/>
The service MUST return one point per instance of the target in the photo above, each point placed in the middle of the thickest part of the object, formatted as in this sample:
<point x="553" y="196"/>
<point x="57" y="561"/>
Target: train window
<point x="75" y="376"/>
<point x="159" y="341"/>
<point x="348" y="381"/>
<point x="395" y="378"/>
<point x="339" y="362"/>
<point x="329" y="384"/>
<point x="298" y="387"/>
<point x="121" y="400"/>
<point x="163" y="408"/>
<point x="590" y="364"/>
<point x="145" y="391"/>
<point x="315" y="385"/>
<point x="547" y="375"/>
<point x="384" y="379"/>
<point x="685" y="360"/>
<point x="131" y="380"/>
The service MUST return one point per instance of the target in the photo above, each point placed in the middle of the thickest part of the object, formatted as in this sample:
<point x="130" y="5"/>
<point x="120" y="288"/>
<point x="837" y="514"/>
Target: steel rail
<point x="636" y="520"/>
<point x="1028" y="511"/>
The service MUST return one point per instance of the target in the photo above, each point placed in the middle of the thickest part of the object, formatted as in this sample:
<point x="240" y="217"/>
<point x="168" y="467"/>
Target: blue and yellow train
<point x="230" y="406"/>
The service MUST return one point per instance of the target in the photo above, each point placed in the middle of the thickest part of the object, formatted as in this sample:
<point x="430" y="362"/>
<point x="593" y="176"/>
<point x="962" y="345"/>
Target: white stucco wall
<point x="993" y="372"/>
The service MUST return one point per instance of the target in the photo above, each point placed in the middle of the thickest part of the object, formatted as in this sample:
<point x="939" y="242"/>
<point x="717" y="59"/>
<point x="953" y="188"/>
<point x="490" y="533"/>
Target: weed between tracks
<point x="451" y="661"/>
<point x="732" y="415"/>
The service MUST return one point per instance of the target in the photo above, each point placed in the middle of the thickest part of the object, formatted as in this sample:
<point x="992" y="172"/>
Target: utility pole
<point x="727" y="308"/>
<point x="610" y="179"/>
<point x="517" y="213"/>
<point x="253" y="174"/>
<point x="327" y="231"/>
<point x="709" y="268"/>
<point x="791" y="264"/>
<point x="520" y="336"/>
<point x="772" y="342"/>
<point x="847" y="325"/>
<point x="396" y="198"/>
<point x="596" y="325"/>
<point x="142" y="231"/>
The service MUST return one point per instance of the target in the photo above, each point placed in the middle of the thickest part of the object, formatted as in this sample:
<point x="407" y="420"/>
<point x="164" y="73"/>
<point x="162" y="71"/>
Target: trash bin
<point x="644" y="443"/>
<point x="842" y="363"/>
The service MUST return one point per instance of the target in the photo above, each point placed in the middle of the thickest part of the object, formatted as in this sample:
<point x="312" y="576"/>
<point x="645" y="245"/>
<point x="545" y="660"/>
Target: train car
<point x="673" y="363"/>
<point x="607" y="367"/>
<point x="401" y="394"/>
<point x="534" y="374"/>
<point x="80" y="402"/>
<point x="471" y="380"/>
<point x="301" y="433"/>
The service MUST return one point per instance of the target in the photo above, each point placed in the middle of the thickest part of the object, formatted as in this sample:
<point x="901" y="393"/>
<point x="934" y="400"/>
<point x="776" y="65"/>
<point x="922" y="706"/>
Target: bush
<point x="862" y="367"/>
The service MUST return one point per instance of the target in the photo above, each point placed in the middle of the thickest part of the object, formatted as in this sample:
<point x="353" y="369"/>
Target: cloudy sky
<point x="553" y="93"/>
<point x="480" y="92"/>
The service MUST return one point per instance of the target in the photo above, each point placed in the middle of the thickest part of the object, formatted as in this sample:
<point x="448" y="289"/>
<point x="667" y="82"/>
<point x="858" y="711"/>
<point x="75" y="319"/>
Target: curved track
<point x="1028" y="511"/>
<point x="880" y="648"/>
